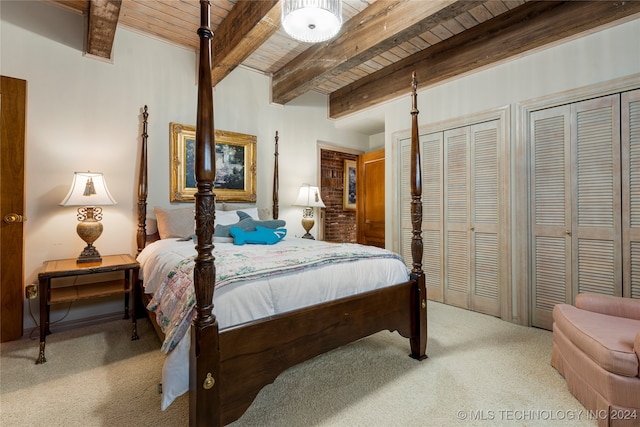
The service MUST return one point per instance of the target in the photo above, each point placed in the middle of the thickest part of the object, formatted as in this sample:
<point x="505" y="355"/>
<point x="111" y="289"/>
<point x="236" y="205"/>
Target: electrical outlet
<point x="31" y="291"/>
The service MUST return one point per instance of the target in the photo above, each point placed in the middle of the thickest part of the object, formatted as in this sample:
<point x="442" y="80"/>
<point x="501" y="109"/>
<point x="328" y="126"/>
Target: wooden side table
<point x="56" y="269"/>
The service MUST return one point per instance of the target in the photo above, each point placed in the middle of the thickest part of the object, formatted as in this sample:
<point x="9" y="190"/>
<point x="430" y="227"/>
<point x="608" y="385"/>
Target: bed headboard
<point x="142" y="236"/>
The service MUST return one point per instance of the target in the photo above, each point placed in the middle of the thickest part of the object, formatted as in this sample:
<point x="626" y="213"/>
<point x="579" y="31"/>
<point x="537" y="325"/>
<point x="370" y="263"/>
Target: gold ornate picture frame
<point x="235" y="165"/>
<point x="349" y="186"/>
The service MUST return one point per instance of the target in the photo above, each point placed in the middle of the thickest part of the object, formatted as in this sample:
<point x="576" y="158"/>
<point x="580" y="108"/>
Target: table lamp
<point x="309" y="197"/>
<point x="89" y="190"/>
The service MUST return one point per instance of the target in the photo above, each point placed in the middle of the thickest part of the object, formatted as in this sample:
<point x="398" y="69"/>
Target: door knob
<point x="567" y="232"/>
<point x="13" y="218"/>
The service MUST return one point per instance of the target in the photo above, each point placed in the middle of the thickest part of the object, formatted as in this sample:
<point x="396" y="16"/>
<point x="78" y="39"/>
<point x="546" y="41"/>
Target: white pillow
<point x="226" y="217"/>
<point x="252" y="212"/>
<point x="175" y="222"/>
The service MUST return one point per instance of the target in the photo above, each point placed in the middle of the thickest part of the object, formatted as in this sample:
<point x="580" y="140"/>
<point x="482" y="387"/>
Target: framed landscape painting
<point x="235" y="165"/>
<point x="349" y="189"/>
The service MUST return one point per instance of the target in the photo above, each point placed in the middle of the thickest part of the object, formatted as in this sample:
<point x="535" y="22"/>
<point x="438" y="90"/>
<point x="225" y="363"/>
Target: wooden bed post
<point x="141" y="236"/>
<point x="274" y="214"/>
<point x="204" y="363"/>
<point x="418" y="338"/>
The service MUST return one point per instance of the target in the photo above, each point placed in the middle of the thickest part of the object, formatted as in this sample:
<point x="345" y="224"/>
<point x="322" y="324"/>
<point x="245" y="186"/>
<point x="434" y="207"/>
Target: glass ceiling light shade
<point x="312" y="21"/>
<point x="89" y="190"/>
<point x="309" y="197"/>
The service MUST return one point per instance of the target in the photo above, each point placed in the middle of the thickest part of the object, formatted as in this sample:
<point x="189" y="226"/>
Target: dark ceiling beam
<point x="529" y="26"/>
<point x="378" y="28"/>
<point x="103" y="19"/>
<point x="247" y="26"/>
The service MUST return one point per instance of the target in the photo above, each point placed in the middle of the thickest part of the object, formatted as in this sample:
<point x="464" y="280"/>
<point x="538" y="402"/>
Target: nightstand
<point x="65" y="268"/>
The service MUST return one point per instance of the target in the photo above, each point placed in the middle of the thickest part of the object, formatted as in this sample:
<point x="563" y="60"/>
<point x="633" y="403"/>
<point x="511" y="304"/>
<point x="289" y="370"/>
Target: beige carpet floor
<point x="481" y="371"/>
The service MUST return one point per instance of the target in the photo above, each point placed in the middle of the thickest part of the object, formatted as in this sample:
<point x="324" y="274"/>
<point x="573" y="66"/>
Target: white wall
<point x="601" y="56"/>
<point x="597" y="57"/>
<point x="85" y="114"/>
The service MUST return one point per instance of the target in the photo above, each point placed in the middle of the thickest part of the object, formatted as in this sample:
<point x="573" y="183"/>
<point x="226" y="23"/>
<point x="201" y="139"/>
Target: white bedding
<point x="241" y="302"/>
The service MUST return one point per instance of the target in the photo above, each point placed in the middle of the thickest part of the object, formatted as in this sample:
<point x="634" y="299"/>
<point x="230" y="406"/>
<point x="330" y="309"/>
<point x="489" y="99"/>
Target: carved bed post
<point x="275" y="180"/>
<point x="141" y="236"/>
<point x="419" y="312"/>
<point x="204" y="366"/>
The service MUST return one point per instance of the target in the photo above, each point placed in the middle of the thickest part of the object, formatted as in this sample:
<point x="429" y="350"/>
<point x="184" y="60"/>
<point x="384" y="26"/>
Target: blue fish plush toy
<point x="262" y="235"/>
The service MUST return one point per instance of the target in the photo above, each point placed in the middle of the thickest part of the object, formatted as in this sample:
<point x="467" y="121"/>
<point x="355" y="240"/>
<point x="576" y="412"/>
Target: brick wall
<point x="339" y="224"/>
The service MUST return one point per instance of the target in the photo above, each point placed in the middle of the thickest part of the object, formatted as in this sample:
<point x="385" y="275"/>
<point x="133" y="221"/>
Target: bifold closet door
<point x="461" y="220"/>
<point x="457" y="217"/>
<point x="431" y="160"/>
<point x="471" y="213"/>
<point x="485" y="204"/>
<point x="631" y="193"/>
<point x="576" y="203"/>
<point x="551" y="211"/>
<point x="597" y="199"/>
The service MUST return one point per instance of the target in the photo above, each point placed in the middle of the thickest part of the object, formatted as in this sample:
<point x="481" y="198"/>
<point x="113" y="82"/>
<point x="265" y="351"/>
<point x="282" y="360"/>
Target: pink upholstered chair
<point x="596" y="347"/>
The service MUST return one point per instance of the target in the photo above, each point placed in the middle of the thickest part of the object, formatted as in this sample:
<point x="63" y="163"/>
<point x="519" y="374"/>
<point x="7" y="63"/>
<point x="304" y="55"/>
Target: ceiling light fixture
<point x="312" y="21"/>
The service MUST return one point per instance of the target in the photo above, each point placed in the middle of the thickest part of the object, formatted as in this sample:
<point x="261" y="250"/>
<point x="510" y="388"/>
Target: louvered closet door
<point x="630" y="115"/>
<point x="461" y="215"/>
<point x="596" y="181"/>
<point x="431" y="156"/>
<point x="551" y="211"/>
<point x="576" y="203"/>
<point x="484" y="261"/>
<point x="457" y="218"/>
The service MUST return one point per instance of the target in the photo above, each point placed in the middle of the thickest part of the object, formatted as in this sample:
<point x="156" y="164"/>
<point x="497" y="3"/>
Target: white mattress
<point x="245" y="301"/>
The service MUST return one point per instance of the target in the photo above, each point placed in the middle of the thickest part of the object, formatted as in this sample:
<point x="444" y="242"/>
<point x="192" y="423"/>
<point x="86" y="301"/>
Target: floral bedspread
<point x="174" y="303"/>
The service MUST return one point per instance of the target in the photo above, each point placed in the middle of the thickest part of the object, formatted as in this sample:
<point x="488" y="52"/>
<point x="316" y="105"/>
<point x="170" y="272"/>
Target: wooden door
<point x="630" y="122"/>
<point x="370" y="199"/>
<point x="13" y="98"/>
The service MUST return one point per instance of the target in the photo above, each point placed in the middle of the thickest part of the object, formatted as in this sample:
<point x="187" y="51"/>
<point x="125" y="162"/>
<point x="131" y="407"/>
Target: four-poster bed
<point x="228" y="366"/>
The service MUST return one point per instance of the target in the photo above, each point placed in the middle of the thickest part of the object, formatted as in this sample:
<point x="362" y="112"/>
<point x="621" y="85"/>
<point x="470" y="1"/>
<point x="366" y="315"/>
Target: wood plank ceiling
<point x="381" y="42"/>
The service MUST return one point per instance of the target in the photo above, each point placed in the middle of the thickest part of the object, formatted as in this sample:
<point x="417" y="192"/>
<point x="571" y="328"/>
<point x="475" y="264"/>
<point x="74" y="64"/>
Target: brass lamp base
<point x="89" y="254"/>
<point x="307" y="224"/>
<point x="89" y="229"/>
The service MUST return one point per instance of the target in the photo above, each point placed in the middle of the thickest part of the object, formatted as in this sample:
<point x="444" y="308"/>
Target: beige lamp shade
<point x="309" y="196"/>
<point x="88" y="189"/>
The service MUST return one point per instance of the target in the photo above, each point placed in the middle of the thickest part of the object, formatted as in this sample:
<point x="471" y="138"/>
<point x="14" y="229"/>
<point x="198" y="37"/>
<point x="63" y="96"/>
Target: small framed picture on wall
<point x="349" y="189"/>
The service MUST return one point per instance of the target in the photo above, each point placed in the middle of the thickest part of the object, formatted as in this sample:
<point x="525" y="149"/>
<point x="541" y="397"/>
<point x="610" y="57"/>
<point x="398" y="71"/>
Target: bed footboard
<point x="248" y="364"/>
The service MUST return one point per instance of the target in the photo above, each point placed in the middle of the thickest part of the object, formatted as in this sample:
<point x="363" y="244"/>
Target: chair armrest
<point x="636" y="347"/>
<point x="610" y="305"/>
